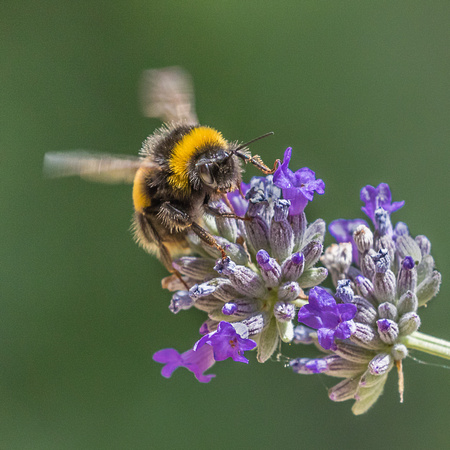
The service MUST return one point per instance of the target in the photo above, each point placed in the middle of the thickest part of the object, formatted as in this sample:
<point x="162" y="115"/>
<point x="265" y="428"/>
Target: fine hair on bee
<point x="182" y="168"/>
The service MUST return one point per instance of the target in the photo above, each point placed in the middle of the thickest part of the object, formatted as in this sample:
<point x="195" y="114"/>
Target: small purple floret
<point x="229" y="308"/>
<point x="298" y="187"/>
<point x="331" y="320"/>
<point x="239" y="203"/>
<point x="384" y="324"/>
<point x="307" y="366"/>
<point x="379" y="197"/>
<point x="195" y="361"/>
<point x="408" y="263"/>
<point x="226" y="342"/>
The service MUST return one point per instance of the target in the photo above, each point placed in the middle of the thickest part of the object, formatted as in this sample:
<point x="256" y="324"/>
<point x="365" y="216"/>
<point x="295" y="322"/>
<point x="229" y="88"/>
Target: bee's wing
<point x="99" y="167"/>
<point x="169" y="95"/>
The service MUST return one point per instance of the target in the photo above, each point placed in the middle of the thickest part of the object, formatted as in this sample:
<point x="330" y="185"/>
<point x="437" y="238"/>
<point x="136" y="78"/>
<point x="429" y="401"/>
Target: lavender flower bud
<point x="366" y="312"/>
<point x="365" y="336"/>
<point x="424" y="244"/>
<point x="352" y="352"/>
<point x="193" y="267"/>
<point x="312" y="277"/>
<point x="408" y="303"/>
<point x="312" y="252"/>
<point x="289" y="291"/>
<point x="257" y="233"/>
<point x="303" y="335"/>
<point x="270" y="269"/>
<point x="298" y="225"/>
<point x="268" y="341"/>
<point x="229" y="308"/>
<point x="292" y="267"/>
<point x="239" y="308"/>
<point x="286" y="331"/>
<point x="344" y="291"/>
<point x="284" y="312"/>
<point x="367" y="396"/>
<point x="236" y="252"/>
<point x="381" y="364"/>
<point x="388" y="331"/>
<point x="407" y="246"/>
<point x="221" y="288"/>
<point x="385" y="286"/>
<point x="428" y="288"/>
<point x="180" y="300"/>
<point x="307" y="366"/>
<point x="200" y="290"/>
<point x="363" y="238"/>
<point x="408" y="323"/>
<point x="369" y="380"/>
<point x="387" y="310"/>
<point x="399" y="352"/>
<point x="281" y="234"/>
<point x="382" y="222"/>
<point x="337" y="259"/>
<point x="407" y="276"/>
<point x="365" y="287"/>
<point x="400" y="230"/>
<point x="342" y="368"/>
<point x="225" y="227"/>
<point x="425" y="268"/>
<point x="208" y="304"/>
<point x="316" y="231"/>
<point x="243" y="279"/>
<point x="345" y="390"/>
<point x="387" y="243"/>
<point x="256" y="323"/>
<point x="367" y="264"/>
<point x="382" y="261"/>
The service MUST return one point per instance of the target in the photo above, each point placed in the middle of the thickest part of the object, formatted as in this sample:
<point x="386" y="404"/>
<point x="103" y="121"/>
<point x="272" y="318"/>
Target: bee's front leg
<point x="174" y="216"/>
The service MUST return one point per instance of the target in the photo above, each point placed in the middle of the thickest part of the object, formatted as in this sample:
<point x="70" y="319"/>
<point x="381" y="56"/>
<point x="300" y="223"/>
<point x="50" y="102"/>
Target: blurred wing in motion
<point x="168" y="94"/>
<point x="99" y="167"/>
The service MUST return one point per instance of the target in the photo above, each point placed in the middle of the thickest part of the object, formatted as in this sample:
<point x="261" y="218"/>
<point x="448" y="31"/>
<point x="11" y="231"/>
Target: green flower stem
<point x="427" y="344"/>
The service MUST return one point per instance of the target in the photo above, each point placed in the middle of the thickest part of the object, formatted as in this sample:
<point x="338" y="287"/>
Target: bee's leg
<point x="217" y="213"/>
<point x="151" y="235"/>
<point x="184" y="221"/>
<point x="207" y="237"/>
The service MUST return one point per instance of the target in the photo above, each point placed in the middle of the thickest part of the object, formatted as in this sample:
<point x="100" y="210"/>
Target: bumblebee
<point x="182" y="167"/>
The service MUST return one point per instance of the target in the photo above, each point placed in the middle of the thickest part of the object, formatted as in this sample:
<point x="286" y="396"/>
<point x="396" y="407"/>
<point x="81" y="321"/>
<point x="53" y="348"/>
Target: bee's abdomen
<point x="141" y="197"/>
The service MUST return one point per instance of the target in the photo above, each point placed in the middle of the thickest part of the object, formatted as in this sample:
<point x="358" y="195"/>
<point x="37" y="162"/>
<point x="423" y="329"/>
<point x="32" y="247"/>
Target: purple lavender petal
<point x="239" y="203"/>
<point x="331" y="320"/>
<point x="326" y="338"/>
<point x="347" y="311"/>
<point x="298" y="187"/>
<point x="379" y="197"/>
<point x="226" y="342"/>
<point x="196" y="362"/>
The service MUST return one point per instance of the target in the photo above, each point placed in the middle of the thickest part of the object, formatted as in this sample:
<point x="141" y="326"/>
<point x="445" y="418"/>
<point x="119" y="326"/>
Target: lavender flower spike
<point x="297" y="187"/>
<point x="379" y="197"/>
<point x="331" y="320"/>
<point x="227" y="342"/>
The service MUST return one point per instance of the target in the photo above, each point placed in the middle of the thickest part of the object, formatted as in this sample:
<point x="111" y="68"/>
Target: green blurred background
<point x="360" y="90"/>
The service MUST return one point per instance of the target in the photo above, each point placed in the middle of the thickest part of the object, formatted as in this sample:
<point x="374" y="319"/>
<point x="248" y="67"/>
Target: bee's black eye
<point x="205" y="172"/>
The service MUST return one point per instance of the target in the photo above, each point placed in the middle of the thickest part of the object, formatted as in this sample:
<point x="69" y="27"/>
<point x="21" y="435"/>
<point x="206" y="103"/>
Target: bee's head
<point x="217" y="171"/>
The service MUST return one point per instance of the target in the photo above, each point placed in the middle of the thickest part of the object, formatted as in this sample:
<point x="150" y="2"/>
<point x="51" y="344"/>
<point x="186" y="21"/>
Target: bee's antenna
<point x="270" y="133"/>
<point x="255" y="160"/>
